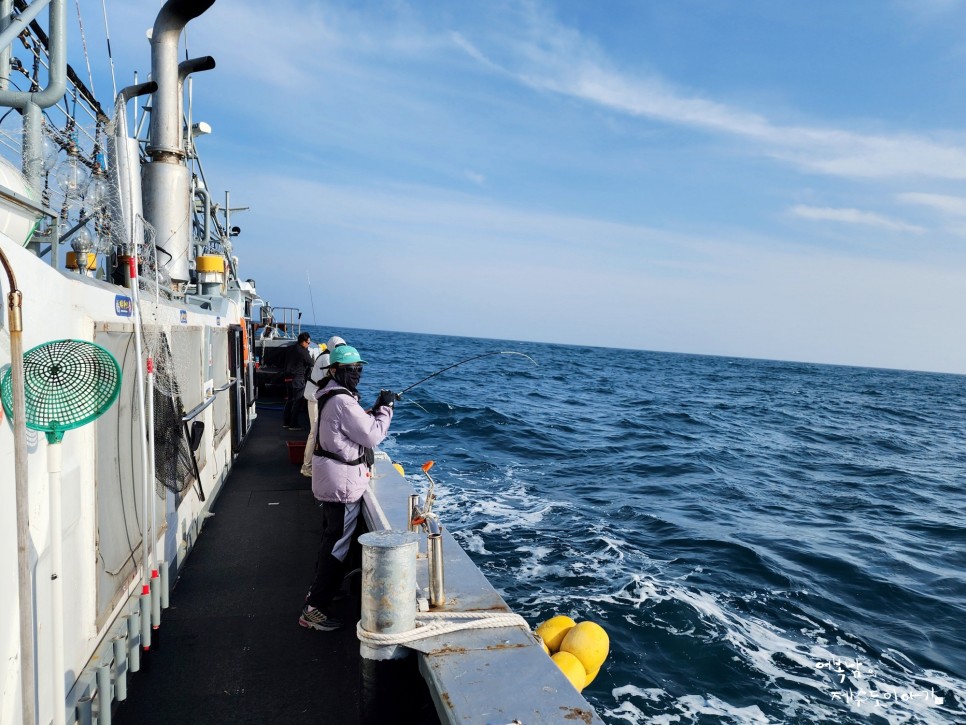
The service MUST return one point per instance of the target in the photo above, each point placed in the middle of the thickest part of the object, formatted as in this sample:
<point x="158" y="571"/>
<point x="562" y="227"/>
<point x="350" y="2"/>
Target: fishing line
<point x="461" y="362"/>
<point x="311" y="299"/>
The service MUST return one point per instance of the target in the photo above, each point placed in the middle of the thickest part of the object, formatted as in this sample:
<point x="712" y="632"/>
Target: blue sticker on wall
<point x="184" y="317"/>
<point x="217" y="322"/>
<point x="123" y="307"/>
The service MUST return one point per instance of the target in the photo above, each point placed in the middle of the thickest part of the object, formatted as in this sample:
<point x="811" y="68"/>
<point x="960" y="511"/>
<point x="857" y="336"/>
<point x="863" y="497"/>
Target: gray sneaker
<point x="313" y="618"/>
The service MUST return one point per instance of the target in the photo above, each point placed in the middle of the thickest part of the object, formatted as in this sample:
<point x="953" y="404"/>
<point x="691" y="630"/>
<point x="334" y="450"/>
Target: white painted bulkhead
<point x="101" y="470"/>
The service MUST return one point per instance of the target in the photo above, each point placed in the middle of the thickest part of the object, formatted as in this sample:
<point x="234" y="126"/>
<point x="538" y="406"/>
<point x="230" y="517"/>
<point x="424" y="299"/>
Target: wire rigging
<point x="87" y="58"/>
<point x="110" y="55"/>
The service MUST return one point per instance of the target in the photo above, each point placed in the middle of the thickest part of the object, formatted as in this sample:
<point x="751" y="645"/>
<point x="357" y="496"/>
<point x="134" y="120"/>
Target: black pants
<point x="295" y="404"/>
<point x="340" y="523"/>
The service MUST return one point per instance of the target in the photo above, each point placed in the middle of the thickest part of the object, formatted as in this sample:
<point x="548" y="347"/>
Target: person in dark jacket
<point x="298" y="362"/>
<point x="341" y="469"/>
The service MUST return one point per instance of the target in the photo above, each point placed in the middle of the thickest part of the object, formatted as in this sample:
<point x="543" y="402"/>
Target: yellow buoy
<point x="542" y="643"/>
<point x="400" y="469"/>
<point x="589" y="643"/>
<point x="572" y="668"/>
<point x="590" y="677"/>
<point x="554" y="629"/>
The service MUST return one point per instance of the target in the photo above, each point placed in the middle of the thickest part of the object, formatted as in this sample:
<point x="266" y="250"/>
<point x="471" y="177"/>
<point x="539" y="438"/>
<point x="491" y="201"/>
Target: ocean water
<point x="763" y="541"/>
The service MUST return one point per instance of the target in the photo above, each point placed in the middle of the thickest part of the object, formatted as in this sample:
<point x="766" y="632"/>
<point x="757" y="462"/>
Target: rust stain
<point x="450" y="651"/>
<point x="507" y="646"/>
<point x="452" y="605"/>
<point x="463" y="650"/>
<point x="444" y="696"/>
<point x="575" y="713"/>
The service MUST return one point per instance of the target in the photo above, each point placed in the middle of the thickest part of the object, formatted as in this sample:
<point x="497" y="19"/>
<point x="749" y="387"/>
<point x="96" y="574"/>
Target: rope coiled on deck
<point x="432" y="624"/>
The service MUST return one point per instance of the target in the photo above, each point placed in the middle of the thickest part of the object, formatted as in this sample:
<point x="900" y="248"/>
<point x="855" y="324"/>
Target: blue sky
<point x="738" y="177"/>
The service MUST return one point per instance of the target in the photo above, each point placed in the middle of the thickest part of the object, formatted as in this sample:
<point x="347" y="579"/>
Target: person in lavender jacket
<point x="341" y="469"/>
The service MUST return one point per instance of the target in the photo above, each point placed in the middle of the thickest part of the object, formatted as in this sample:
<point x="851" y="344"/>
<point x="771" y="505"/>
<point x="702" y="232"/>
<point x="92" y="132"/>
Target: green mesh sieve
<point x="68" y="383"/>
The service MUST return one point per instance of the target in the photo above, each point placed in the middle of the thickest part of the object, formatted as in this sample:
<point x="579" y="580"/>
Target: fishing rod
<point x="461" y="362"/>
<point x="311" y="298"/>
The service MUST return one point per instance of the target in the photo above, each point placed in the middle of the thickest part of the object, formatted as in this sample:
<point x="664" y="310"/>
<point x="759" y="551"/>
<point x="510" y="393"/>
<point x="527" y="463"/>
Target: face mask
<point x="348" y="377"/>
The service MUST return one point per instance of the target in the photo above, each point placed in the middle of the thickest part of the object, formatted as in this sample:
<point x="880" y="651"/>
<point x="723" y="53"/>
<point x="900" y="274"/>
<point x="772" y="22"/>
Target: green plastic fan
<point x="68" y="383"/>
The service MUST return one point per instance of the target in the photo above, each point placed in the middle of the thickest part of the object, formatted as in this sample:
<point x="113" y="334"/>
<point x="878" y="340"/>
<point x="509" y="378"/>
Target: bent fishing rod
<point x="461" y="362"/>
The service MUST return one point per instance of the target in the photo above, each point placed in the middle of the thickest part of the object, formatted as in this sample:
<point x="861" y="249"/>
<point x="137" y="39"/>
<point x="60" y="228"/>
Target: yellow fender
<point x="553" y="630"/>
<point x="567" y="642"/>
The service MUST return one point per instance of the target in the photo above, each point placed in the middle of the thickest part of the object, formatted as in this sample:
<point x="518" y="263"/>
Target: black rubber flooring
<point x="230" y="649"/>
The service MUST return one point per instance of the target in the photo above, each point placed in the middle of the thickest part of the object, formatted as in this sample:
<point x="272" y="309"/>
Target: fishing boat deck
<point x="230" y="648"/>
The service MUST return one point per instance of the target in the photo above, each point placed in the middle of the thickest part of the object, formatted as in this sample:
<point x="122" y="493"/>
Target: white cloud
<point x="948" y="205"/>
<point x="929" y="9"/>
<point x="853" y="216"/>
<point x="548" y="56"/>
<point x="535" y="49"/>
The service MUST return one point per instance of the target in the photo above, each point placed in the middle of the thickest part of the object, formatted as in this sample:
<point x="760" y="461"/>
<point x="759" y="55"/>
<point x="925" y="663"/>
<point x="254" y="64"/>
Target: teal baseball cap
<point x="345" y="355"/>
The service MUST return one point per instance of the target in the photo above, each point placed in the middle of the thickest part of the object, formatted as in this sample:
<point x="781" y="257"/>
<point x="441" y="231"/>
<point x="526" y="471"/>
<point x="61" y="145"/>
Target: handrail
<point x="25" y="203"/>
<point x="194" y="412"/>
<point x="198" y="409"/>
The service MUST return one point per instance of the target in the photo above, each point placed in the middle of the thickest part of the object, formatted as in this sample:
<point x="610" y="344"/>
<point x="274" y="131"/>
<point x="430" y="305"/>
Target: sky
<point x="731" y="177"/>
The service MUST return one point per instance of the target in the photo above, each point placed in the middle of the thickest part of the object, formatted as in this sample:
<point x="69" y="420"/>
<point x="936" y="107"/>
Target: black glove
<point x="386" y="397"/>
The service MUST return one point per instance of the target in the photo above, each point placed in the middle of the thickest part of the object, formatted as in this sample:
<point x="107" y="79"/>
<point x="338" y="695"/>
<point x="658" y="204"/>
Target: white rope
<point x="433" y="624"/>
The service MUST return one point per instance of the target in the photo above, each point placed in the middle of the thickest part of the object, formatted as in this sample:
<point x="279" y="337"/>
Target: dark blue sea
<point x="764" y="542"/>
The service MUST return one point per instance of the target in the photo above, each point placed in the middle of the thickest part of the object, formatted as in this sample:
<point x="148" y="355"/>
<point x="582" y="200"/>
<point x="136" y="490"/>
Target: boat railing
<point x="279" y="323"/>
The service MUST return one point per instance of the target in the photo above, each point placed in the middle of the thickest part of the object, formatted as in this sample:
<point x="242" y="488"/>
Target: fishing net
<point x="173" y="463"/>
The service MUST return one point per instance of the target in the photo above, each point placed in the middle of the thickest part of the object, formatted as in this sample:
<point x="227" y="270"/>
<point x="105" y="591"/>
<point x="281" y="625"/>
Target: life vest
<point x="368" y="454"/>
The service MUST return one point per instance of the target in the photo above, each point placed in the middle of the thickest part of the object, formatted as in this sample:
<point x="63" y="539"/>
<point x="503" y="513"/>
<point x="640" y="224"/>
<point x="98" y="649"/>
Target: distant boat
<point x="277" y="328"/>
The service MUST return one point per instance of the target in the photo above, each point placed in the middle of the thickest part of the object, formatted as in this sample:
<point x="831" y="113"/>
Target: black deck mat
<point x="230" y="649"/>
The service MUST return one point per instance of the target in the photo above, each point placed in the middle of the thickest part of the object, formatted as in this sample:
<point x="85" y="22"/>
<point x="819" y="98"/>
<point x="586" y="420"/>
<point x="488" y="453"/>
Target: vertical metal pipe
<point x="57" y="670"/>
<point x="33" y="153"/>
<point x="144" y="602"/>
<point x="120" y="668"/>
<point x="388" y="588"/>
<point x="147" y="487"/>
<point x="434" y="550"/>
<point x="413" y="501"/>
<point x="134" y="641"/>
<point x="28" y="688"/>
<point x="152" y="473"/>
<point x="85" y="710"/>
<point x="166" y="179"/>
<point x="55" y="246"/>
<point x="155" y="601"/>
<point x="104" y="695"/>
<point x="165" y="591"/>
<point x="57" y="73"/>
<point x="6" y="8"/>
